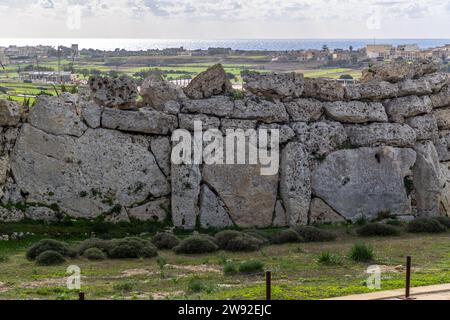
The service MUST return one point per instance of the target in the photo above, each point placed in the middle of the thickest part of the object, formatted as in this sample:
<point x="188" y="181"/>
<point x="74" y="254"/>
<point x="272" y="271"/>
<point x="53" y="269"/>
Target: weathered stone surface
<point x="155" y="210"/>
<point x="11" y="215"/>
<point x="442" y="118"/>
<point x="376" y="134"/>
<point x="156" y="91"/>
<point x="305" y="109"/>
<point x="89" y="175"/>
<point x="295" y="183"/>
<point x="400" y="108"/>
<point x="445" y="191"/>
<point x="425" y="127"/>
<point x="4" y="168"/>
<point x="320" y="138"/>
<point x="321" y="213"/>
<point x="426" y="85"/>
<point x="92" y="114"/>
<point x="220" y="106"/>
<point x="237" y="124"/>
<point x="428" y="179"/>
<point x="10" y="113"/>
<point x="263" y="110"/>
<point x="443" y="145"/>
<point x="55" y="116"/>
<point x="208" y="122"/>
<point x="10" y="193"/>
<point x="356" y="111"/>
<point x="374" y="91"/>
<point x="249" y="196"/>
<point x="185" y="191"/>
<point x="274" y="85"/>
<point x="41" y="214"/>
<point x="280" y="219"/>
<point x="116" y="217"/>
<point x="161" y="149"/>
<point x="212" y="82"/>
<point x="286" y="132"/>
<point x="365" y="181"/>
<point x="323" y="89"/>
<point x="172" y="107"/>
<point x="144" y="120"/>
<point x="441" y="99"/>
<point x="395" y="72"/>
<point x="118" y="92"/>
<point x="213" y="213"/>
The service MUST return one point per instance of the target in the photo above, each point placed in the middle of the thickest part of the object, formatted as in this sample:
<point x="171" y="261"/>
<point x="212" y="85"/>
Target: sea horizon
<point x="136" y="44"/>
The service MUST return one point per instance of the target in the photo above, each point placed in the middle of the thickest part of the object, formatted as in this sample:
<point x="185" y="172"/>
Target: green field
<point x="296" y="271"/>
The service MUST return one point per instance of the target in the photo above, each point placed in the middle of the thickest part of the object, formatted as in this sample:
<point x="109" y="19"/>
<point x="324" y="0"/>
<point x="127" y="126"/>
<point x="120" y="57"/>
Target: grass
<point x="296" y="272"/>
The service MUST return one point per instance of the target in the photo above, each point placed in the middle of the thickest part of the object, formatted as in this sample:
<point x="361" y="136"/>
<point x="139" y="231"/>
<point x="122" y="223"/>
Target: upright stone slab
<point x="213" y="213"/>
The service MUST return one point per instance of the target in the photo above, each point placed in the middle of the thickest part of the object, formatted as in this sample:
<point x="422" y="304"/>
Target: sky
<point x="225" y="19"/>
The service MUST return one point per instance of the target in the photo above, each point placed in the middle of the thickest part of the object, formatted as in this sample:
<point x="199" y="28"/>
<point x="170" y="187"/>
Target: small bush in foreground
<point x="49" y="258"/>
<point x="361" y="252"/>
<point x="103" y="245"/>
<point x="165" y="240"/>
<point x="286" y="236"/>
<point x="377" y="229"/>
<point x="94" y="254"/>
<point x="251" y="266"/>
<point x="131" y="248"/>
<point x="445" y="221"/>
<point x="197" y="285"/>
<point x="313" y="234"/>
<point x="427" y="225"/>
<point x="49" y="245"/>
<point x="230" y="268"/>
<point x="196" y="245"/>
<point x="329" y="259"/>
<point x="237" y="241"/>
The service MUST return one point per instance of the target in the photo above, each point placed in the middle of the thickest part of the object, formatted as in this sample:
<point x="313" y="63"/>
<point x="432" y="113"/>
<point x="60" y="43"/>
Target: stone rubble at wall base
<point x="378" y="147"/>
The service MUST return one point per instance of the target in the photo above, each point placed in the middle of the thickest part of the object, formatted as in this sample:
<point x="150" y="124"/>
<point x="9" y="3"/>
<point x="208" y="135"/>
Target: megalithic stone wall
<point x="377" y="148"/>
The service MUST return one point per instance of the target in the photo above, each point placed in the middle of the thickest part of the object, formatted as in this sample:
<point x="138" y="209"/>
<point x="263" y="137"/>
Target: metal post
<point x="81" y="296"/>
<point x="408" y="278"/>
<point x="268" y="285"/>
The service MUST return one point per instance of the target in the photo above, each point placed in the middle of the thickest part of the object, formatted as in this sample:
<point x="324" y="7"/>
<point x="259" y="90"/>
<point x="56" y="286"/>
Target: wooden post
<point x="408" y="278"/>
<point x="268" y="285"/>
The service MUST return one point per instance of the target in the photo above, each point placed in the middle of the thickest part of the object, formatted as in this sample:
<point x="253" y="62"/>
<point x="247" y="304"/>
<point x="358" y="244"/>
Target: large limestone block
<point x="305" y="109"/>
<point x="8" y="138"/>
<point x="11" y="215"/>
<point x="365" y="181"/>
<point x="443" y="145"/>
<point x="323" y="89"/>
<point x="161" y="149"/>
<point x="397" y="71"/>
<point x="445" y="192"/>
<point x="376" y="134"/>
<point x="185" y="192"/>
<point x="10" y="113"/>
<point x="213" y="213"/>
<point x="212" y="82"/>
<point x="120" y="92"/>
<point x="220" y="106"/>
<point x="280" y="218"/>
<point x="155" y="210"/>
<point x="249" y="196"/>
<point x="274" y="85"/>
<point x="86" y="176"/>
<point x="400" y="108"/>
<point x="233" y="124"/>
<point x="320" y="138"/>
<point x="442" y="118"/>
<point x="286" y="133"/>
<point x="41" y="214"/>
<point x="295" y="183"/>
<point x="56" y="116"/>
<point x="263" y="110"/>
<point x="426" y="85"/>
<point x="92" y="114"/>
<point x="208" y="122"/>
<point x="428" y="179"/>
<point x="441" y="99"/>
<point x="374" y="91"/>
<point x="144" y="120"/>
<point x="156" y="91"/>
<point x="356" y="111"/>
<point x="426" y="127"/>
<point x="321" y="213"/>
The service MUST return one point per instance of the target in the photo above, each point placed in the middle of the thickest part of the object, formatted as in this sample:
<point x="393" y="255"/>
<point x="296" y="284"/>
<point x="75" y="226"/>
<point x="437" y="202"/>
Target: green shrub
<point x="251" y="266"/>
<point x="103" y="245"/>
<point x="197" y="285"/>
<point x="258" y="235"/>
<point x="394" y="222"/>
<point x="125" y="286"/>
<point x="148" y="251"/>
<point x="313" y="234"/>
<point x="196" y="245"/>
<point x="132" y="247"/>
<point x="329" y="259"/>
<point x="361" y="252"/>
<point x="230" y="268"/>
<point x="286" y="236"/>
<point x="445" y="221"/>
<point x="377" y="229"/>
<point x="3" y="258"/>
<point x="165" y="240"/>
<point x="361" y="220"/>
<point x="49" y="258"/>
<point x="428" y="225"/>
<point x="94" y="254"/>
<point x="231" y="240"/>
<point x="49" y="245"/>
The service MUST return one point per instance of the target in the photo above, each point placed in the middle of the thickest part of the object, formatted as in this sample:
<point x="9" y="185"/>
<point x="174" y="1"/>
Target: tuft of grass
<point x="329" y="259"/>
<point x="197" y="285"/>
<point x="251" y="266"/>
<point x="361" y="252"/>
<point x="230" y="268"/>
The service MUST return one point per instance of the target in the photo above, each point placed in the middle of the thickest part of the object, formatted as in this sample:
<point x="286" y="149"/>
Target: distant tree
<point x="350" y="48"/>
<point x="325" y="48"/>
